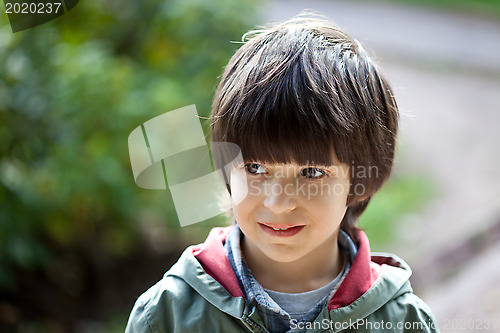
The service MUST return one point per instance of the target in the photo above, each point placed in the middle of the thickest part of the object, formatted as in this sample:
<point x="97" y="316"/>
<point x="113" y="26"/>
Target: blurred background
<point x="79" y="241"/>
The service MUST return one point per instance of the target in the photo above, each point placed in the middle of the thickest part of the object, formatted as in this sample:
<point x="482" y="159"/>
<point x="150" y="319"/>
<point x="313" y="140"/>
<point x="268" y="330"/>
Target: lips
<point x="281" y="230"/>
<point x="280" y="226"/>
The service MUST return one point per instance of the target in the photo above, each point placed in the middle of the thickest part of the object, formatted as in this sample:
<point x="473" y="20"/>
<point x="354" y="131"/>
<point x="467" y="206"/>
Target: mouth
<point x="281" y="230"/>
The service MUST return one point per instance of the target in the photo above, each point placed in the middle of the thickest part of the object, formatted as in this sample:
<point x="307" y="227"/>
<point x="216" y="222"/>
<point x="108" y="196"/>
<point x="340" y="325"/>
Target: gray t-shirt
<point x="272" y="309"/>
<point x="297" y="304"/>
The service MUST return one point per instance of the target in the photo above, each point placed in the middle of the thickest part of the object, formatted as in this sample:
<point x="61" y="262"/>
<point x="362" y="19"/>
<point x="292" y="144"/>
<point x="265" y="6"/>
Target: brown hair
<point x="295" y="90"/>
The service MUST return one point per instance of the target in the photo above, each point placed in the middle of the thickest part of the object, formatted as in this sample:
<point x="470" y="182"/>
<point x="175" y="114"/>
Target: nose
<point x="279" y="199"/>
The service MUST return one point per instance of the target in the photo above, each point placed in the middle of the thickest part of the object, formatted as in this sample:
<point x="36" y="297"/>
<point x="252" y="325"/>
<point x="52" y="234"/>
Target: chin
<point x="284" y="258"/>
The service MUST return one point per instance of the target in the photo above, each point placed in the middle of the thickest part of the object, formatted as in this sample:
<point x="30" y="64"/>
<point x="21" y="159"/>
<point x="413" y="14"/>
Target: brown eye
<point x="255" y="168"/>
<point x="312" y="173"/>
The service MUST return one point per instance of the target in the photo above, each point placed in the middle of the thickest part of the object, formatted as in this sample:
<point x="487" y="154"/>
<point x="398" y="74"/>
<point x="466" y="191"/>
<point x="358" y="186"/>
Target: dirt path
<point x="446" y="72"/>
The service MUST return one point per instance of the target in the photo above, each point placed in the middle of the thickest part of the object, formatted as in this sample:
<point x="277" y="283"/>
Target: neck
<point x="305" y="274"/>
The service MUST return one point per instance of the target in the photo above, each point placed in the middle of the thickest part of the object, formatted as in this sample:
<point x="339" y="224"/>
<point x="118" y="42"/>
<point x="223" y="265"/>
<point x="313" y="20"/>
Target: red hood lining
<point x="212" y="258"/>
<point x="361" y="276"/>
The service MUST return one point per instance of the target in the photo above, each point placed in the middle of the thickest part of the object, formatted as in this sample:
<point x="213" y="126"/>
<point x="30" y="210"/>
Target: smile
<point x="281" y="230"/>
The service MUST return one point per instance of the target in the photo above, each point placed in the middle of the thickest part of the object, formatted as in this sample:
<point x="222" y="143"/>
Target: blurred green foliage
<point x="71" y="91"/>
<point x="401" y="196"/>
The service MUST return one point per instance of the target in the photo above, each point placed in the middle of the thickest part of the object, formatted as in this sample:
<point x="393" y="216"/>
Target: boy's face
<point x="291" y="211"/>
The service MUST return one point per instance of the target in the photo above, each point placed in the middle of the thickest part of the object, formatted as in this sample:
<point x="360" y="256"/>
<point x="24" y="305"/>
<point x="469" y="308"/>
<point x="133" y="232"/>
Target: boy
<point x="316" y="123"/>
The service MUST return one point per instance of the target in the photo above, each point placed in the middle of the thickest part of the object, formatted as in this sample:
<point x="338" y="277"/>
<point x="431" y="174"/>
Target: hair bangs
<point x="281" y="123"/>
<point x="266" y="145"/>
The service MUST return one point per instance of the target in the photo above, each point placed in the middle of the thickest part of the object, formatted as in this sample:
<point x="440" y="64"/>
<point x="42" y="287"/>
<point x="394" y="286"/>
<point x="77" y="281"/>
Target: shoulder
<point x="403" y="311"/>
<point x="165" y="303"/>
<point x="416" y="311"/>
<point x="186" y="299"/>
<point x="393" y="305"/>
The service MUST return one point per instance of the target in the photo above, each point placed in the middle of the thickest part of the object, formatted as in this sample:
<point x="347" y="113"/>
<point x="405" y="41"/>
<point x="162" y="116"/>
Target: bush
<point x="71" y="91"/>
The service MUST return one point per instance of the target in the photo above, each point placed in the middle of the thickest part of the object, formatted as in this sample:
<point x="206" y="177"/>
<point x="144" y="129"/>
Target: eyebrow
<point x="310" y="165"/>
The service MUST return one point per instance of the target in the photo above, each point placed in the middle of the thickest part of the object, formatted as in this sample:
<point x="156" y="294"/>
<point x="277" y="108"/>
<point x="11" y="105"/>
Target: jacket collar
<point x="212" y="257"/>
<point x="360" y="278"/>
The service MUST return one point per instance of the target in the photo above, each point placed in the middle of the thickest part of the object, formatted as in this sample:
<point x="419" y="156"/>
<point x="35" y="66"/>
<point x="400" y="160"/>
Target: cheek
<point x="239" y="187"/>
<point x="245" y="209"/>
<point x="340" y="193"/>
<point x="244" y="196"/>
<point x="328" y="199"/>
<point x="325" y="191"/>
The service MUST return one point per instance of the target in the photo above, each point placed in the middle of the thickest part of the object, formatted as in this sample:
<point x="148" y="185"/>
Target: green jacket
<point x="200" y="293"/>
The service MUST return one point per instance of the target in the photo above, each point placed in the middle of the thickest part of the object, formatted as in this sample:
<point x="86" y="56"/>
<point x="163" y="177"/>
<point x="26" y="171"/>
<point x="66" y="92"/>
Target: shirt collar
<point x="273" y="316"/>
